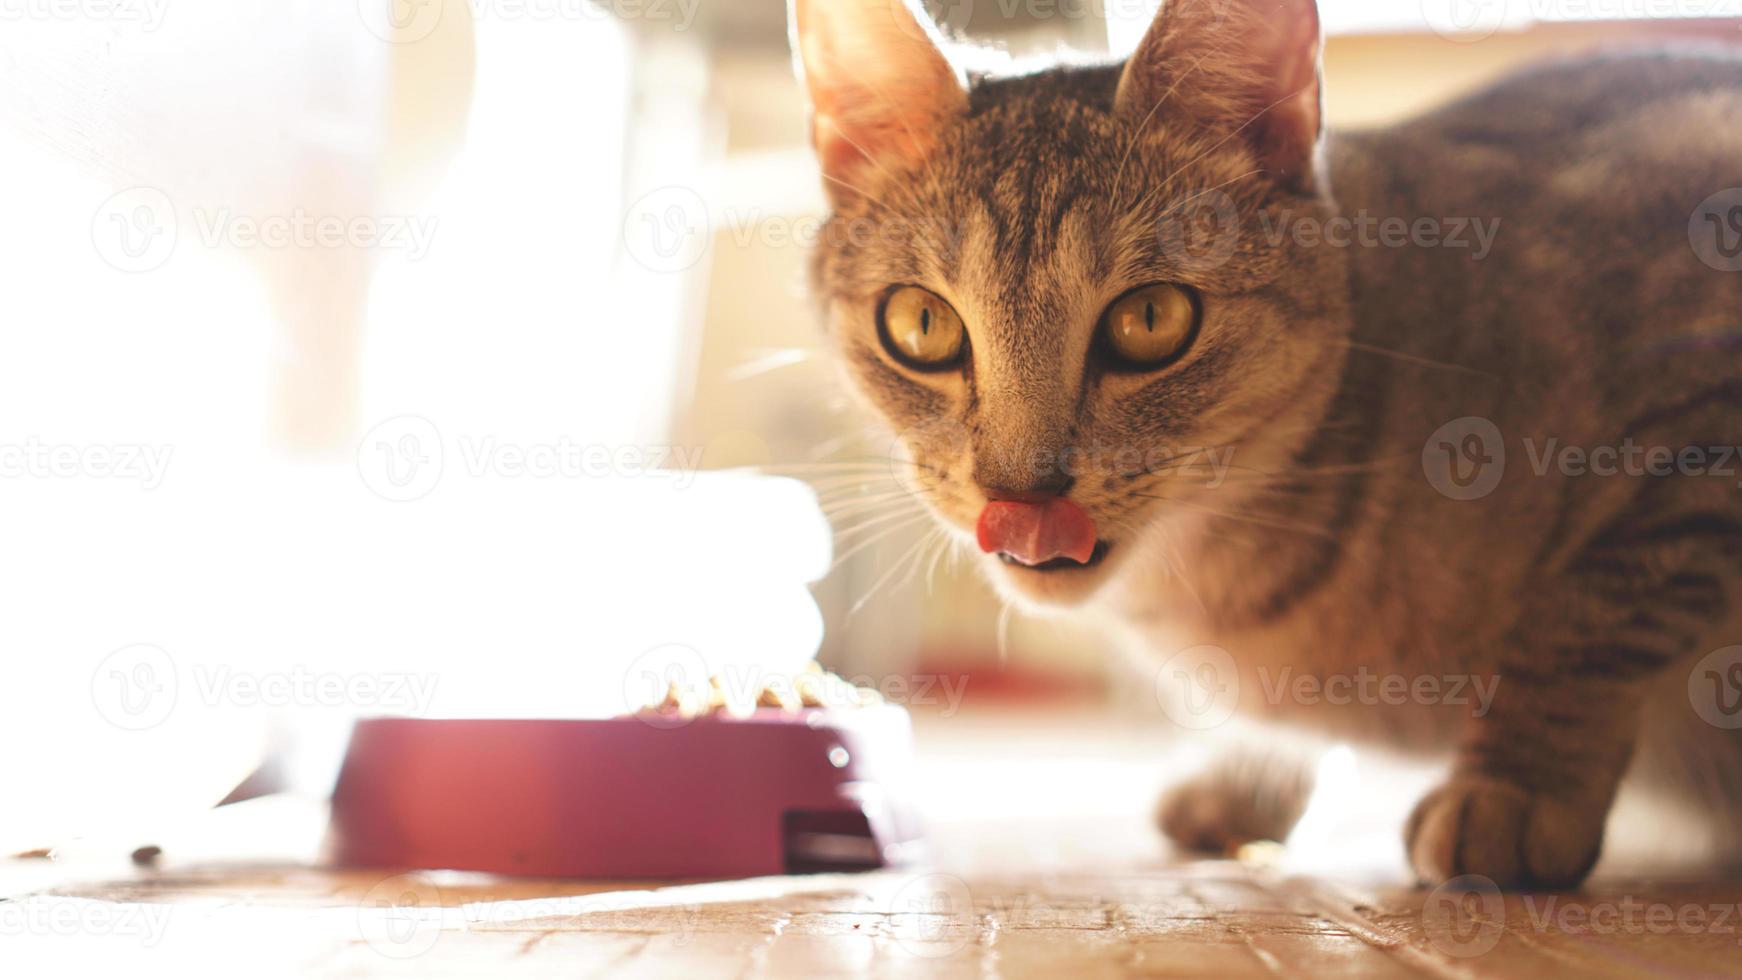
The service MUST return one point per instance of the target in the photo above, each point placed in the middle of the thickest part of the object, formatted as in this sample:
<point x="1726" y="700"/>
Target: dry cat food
<point x="812" y="687"/>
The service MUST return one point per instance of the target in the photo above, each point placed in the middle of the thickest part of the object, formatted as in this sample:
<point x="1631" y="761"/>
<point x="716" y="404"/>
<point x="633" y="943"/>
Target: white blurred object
<point x="166" y="622"/>
<point x="320" y="602"/>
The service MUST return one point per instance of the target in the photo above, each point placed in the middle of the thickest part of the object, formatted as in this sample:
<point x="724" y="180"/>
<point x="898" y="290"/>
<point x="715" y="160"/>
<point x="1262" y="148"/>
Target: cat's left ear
<point x="1238" y="68"/>
<point x="880" y="86"/>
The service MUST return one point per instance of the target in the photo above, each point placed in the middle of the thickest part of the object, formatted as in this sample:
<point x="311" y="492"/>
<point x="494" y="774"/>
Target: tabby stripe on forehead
<point x="1018" y="241"/>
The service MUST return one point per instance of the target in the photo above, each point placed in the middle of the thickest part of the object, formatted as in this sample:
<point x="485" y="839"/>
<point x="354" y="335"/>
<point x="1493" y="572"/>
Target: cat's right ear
<point x="1235" y="68"/>
<point x="881" y="89"/>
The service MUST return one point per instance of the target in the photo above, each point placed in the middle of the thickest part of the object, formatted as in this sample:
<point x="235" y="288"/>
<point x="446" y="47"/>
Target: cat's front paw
<point x="1234" y="804"/>
<point x="1477" y="825"/>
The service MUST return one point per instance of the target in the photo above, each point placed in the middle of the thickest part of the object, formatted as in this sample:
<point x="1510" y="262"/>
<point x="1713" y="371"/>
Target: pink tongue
<point x="1036" y="533"/>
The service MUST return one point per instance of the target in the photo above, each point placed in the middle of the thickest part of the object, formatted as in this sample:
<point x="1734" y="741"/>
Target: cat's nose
<point x="1035" y="491"/>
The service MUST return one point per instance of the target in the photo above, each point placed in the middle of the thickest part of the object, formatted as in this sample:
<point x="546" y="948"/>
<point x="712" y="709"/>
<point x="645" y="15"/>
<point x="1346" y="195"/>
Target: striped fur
<point x="1327" y="548"/>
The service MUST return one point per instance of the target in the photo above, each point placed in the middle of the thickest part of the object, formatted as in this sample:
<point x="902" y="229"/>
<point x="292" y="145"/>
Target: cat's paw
<point x="1218" y="811"/>
<point x="1475" y="825"/>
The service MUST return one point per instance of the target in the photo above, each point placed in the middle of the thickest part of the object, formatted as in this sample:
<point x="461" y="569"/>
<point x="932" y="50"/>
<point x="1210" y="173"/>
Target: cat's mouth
<point x="1060" y="563"/>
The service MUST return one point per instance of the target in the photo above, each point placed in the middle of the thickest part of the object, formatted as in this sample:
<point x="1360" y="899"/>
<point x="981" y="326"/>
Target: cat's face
<point x="1044" y="291"/>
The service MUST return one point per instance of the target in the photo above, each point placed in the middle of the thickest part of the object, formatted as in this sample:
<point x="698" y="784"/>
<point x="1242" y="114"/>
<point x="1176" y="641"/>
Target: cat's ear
<point x="880" y="86"/>
<point x="1246" y="67"/>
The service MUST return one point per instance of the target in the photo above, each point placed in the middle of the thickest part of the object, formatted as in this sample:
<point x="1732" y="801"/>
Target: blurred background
<point x="452" y="358"/>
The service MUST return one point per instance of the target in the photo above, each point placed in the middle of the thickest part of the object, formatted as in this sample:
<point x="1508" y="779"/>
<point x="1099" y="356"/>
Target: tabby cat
<point x="1292" y="404"/>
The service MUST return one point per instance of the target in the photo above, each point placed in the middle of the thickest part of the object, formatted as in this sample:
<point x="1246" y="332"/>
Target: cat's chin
<point x="1059" y="585"/>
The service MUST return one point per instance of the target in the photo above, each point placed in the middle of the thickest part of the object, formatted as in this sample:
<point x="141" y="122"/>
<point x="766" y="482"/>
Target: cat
<point x="1055" y="282"/>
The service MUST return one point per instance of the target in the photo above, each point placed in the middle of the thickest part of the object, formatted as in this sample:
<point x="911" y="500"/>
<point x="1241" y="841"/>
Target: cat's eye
<point x="920" y="329"/>
<point x="1150" y="327"/>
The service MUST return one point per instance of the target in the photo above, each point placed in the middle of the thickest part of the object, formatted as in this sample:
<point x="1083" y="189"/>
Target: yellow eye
<point x="920" y="329"/>
<point x="1150" y="326"/>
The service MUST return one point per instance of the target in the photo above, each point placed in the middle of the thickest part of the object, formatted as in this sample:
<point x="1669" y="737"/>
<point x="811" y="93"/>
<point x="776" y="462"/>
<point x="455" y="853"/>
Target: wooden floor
<point x="1037" y="886"/>
<point x="1216" y="919"/>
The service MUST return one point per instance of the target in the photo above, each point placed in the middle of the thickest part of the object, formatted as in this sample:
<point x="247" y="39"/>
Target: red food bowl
<point x="639" y="797"/>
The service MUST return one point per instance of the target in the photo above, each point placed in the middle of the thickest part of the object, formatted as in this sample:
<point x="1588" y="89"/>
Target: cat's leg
<point x="1247" y="794"/>
<point x="1531" y="786"/>
<point x="1534" y="779"/>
